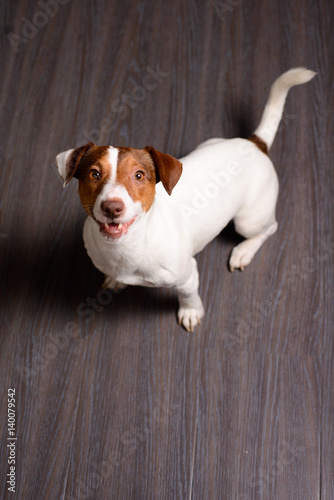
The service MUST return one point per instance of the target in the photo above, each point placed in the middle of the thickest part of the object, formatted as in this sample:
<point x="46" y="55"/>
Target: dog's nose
<point x="112" y="208"/>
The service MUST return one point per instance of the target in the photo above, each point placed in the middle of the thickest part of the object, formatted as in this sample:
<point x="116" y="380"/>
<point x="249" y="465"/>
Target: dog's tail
<point x="273" y="111"/>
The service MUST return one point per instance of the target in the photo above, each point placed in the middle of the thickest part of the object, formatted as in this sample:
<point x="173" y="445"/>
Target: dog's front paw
<point x="114" y="285"/>
<point x="189" y="317"/>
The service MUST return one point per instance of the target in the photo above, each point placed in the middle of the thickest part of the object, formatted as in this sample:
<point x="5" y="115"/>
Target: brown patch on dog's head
<point x="259" y="143"/>
<point x="140" y="169"/>
<point x="136" y="171"/>
<point x="94" y="171"/>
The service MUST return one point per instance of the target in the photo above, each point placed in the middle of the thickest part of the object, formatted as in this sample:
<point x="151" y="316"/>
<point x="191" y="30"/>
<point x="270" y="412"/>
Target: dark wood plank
<point x="147" y="415"/>
<point x="257" y="427"/>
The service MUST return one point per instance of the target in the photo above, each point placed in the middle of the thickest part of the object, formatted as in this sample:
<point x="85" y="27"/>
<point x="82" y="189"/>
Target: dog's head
<point x="117" y="185"/>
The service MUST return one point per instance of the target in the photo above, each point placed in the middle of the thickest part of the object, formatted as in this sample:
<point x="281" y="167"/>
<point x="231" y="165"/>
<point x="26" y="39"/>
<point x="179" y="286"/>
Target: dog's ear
<point x="68" y="161"/>
<point x="168" y="169"/>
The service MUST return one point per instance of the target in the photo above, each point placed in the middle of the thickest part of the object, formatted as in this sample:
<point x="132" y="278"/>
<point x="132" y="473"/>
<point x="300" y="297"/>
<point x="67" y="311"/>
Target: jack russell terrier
<point x="142" y="233"/>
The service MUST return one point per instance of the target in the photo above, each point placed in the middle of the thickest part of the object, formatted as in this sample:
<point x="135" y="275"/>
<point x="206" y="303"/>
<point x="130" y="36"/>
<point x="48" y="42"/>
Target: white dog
<point x="138" y="233"/>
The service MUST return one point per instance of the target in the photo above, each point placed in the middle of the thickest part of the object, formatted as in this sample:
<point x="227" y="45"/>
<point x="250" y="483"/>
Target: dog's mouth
<point x="115" y="230"/>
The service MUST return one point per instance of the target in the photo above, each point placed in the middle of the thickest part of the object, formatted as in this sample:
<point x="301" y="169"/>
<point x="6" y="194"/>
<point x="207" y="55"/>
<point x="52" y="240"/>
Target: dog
<point x="149" y="213"/>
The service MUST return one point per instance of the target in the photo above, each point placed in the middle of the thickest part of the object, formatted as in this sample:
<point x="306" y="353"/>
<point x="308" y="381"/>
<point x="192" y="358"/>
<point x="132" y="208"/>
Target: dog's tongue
<point x="114" y="230"/>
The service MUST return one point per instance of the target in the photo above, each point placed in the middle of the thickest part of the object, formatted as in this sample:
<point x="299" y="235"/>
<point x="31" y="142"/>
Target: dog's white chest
<point x="128" y="264"/>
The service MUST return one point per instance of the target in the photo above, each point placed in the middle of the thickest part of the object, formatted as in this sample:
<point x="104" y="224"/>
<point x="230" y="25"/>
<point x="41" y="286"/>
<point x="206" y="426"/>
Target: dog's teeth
<point x="120" y="225"/>
<point x="106" y="225"/>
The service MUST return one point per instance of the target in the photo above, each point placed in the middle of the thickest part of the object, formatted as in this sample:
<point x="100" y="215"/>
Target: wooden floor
<point x="113" y="399"/>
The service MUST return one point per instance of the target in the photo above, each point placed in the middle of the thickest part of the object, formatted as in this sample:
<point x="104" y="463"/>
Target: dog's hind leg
<point x="256" y="221"/>
<point x="113" y="285"/>
<point x="243" y="253"/>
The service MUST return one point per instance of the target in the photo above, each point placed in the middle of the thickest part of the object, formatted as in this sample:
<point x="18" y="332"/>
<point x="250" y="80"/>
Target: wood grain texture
<point x="257" y="428"/>
<point x="114" y="399"/>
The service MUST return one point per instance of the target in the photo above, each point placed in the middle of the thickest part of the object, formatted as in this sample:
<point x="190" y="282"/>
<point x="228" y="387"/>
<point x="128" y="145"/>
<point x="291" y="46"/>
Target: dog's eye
<point x="139" y="176"/>
<point x="95" y="175"/>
